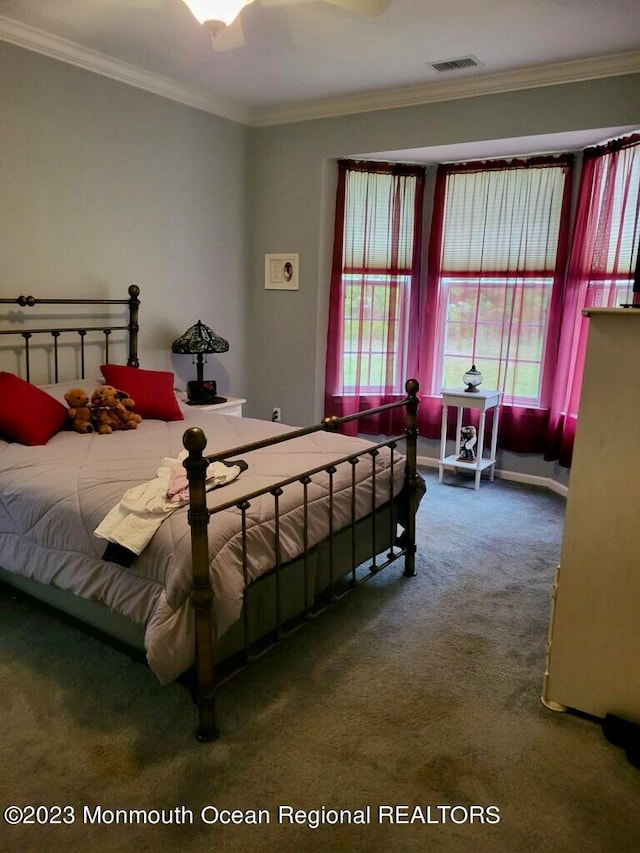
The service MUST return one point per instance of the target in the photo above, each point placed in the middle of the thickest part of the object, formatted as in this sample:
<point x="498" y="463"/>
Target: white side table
<point x="461" y="399"/>
<point x="233" y="406"/>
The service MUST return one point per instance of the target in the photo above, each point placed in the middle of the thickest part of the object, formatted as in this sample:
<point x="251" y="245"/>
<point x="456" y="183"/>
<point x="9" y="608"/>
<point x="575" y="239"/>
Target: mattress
<point x="53" y="497"/>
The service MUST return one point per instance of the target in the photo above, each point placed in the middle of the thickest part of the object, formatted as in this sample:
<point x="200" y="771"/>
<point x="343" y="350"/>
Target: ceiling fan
<point x="223" y="20"/>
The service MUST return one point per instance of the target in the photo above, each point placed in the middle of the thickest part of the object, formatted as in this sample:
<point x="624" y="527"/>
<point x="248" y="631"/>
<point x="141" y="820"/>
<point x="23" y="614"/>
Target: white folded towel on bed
<point x="132" y="522"/>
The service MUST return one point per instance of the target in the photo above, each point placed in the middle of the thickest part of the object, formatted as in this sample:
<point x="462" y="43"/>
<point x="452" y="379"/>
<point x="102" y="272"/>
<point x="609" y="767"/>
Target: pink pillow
<point x="28" y="414"/>
<point x="151" y="390"/>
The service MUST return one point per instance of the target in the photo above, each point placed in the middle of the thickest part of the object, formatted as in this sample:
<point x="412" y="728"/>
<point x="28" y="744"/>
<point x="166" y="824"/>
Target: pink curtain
<point x="497" y="254"/>
<point x="374" y="281"/>
<point x="604" y="254"/>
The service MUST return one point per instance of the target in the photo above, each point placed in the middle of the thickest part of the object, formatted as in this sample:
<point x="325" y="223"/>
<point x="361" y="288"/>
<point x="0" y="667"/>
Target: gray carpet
<point x="409" y="692"/>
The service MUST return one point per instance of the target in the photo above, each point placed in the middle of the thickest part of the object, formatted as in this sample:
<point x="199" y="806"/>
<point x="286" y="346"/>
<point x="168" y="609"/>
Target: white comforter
<point x="52" y="498"/>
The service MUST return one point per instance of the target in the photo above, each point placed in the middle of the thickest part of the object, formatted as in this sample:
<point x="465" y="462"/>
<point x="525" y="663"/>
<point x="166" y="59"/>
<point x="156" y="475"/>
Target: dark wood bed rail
<point x="133" y="303"/>
<point x="199" y="516"/>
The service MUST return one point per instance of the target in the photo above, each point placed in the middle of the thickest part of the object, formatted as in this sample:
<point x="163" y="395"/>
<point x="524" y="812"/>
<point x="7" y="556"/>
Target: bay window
<point x="506" y="278"/>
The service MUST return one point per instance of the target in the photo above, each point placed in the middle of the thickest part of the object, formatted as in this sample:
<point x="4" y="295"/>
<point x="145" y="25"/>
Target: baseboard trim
<point x="515" y="476"/>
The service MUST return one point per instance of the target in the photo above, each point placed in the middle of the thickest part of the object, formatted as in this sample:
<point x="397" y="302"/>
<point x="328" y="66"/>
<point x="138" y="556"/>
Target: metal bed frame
<point x="133" y="303"/>
<point x="343" y="551"/>
<point x="200" y="516"/>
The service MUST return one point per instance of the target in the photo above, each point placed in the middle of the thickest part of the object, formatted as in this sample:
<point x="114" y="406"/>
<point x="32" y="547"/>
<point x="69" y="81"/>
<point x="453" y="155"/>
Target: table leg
<point x="480" y="448"/>
<point x="494" y="438"/>
<point x="443" y="443"/>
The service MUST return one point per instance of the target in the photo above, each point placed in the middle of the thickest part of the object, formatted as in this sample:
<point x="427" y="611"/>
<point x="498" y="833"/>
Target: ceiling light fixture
<point x="223" y="20"/>
<point x="216" y="14"/>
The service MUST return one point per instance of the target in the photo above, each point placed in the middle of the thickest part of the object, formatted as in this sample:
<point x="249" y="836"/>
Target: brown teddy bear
<point x="80" y="415"/>
<point x="108" y="412"/>
<point x="128" y="418"/>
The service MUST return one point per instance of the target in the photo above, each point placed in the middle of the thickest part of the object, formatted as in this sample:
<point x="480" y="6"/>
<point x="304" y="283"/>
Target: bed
<point x="234" y="563"/>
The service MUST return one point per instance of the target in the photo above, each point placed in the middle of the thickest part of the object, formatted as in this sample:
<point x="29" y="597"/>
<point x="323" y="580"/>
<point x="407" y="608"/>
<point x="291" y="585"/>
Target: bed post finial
<point x="134" y="305"/>
<point x="331" y="423"/>
<point x="412" y="386"/>
<point x="194" y="441"/>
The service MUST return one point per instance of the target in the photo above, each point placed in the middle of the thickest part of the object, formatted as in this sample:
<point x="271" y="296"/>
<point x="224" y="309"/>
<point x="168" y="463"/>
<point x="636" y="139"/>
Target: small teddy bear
<point x="128" y="417"/>
<point x="106" y="405"/>
<point x="79" y="414"/>
<point x="112" y="410"/>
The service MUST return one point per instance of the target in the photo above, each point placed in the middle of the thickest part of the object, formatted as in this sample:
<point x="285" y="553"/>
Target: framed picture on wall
<point x="281" y="272"/>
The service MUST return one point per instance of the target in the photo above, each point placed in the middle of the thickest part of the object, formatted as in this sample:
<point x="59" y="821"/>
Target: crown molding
<point x="573" y="71"/>
<point x="36" y="40"/>
<point x="449" y="90"/>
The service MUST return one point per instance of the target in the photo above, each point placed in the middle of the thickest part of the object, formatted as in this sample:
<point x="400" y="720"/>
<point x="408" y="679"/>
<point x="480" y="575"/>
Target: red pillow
<point x="28" y="414"/>
<point x="151" y="390"/>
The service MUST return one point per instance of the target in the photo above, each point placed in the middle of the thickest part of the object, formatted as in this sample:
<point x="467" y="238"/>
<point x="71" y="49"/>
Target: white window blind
<point x="379" y="222"/>
<point x="502" y="220"/>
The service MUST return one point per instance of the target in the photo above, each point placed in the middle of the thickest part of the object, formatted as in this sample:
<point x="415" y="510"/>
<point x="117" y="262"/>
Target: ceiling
<point x="316" y="59"/>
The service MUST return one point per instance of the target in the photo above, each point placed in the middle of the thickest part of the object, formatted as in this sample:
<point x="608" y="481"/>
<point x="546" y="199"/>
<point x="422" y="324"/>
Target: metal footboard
<point x="200" y="516"/>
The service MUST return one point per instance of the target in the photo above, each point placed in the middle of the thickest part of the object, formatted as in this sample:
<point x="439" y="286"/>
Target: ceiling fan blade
<point x="268" y="3"/>
<point x="228" y="38"/>
<point x="231" y="37"/>
<point x="136" y="4"/>
<point x="367" y="8"/>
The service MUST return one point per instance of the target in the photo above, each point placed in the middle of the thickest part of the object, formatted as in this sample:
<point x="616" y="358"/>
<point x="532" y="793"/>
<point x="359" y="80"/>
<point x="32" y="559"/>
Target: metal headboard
<point x="133" y="302"/>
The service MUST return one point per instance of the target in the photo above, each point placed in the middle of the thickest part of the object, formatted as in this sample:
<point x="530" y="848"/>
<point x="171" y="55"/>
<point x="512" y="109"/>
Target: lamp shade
<point x="199" y="339"/>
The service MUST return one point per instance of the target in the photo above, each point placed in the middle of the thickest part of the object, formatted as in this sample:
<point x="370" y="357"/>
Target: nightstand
<point x="233" y="406"/>
<point x="461" y="399"/>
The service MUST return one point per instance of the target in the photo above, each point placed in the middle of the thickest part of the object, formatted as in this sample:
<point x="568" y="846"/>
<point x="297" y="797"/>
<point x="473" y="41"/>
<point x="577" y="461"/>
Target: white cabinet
<point x="593" y="653"/>
<point x="461" y="399"/>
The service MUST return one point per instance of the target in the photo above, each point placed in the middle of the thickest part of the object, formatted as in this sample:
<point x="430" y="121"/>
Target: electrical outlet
<point x="275" y="414"/>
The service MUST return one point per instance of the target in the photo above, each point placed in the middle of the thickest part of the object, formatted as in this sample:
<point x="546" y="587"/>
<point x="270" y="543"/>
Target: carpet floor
<point x="405" y="718"/>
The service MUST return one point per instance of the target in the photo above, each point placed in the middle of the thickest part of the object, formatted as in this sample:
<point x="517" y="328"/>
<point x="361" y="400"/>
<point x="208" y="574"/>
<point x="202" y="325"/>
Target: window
<point x="477" y="326"/>
<point x="615" y="201"/>
<point x="499" y="261"/>
<point x="375" y="276"/>
<point x="604" y="254"/>
<point x="504" y="286"/>
<point x="377" y="260"/>
<point x="375" y="312"/>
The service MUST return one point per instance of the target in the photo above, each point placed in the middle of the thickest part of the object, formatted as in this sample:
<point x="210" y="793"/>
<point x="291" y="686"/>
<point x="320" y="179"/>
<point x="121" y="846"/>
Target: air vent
<point x="455" y="64"/>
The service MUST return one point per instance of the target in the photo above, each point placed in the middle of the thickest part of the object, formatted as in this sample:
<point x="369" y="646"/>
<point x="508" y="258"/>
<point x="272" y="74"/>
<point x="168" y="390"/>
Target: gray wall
<point x="103" y="185"/>
<point x="292" y="176"/>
